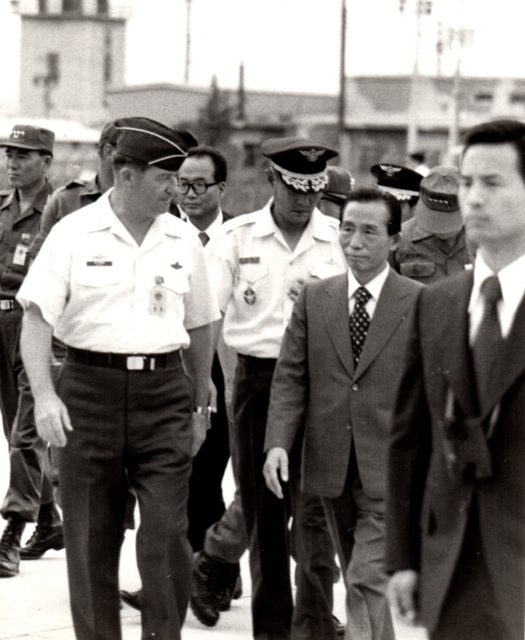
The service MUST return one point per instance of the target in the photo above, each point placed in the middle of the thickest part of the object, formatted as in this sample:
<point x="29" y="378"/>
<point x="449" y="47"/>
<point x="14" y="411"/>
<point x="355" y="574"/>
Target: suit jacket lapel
<point x="336" y="319"/>
<point x="389" y="311"/>
<point x="452" y="339"/>
<point x="513" y="359"/>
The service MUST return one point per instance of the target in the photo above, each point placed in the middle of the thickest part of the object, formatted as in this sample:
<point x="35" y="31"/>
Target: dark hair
<point x="120" y="160"/>
<point x="220" y="171"/>
<point x="373" y="194"/>
<point x="499" y="131"/>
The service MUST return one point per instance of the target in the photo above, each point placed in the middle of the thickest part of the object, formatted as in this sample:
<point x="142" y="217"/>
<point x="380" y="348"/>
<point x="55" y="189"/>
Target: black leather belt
<point x="252" y="361"/>
<point x="129" y="362"/>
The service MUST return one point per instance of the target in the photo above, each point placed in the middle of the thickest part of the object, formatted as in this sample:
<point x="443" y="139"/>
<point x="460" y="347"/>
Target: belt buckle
<point x="135" y="363"/>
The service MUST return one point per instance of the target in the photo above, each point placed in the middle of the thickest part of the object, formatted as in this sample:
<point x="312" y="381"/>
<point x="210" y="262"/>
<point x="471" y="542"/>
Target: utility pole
<point x="188" y="43"/>
<point x="341" y="130"/>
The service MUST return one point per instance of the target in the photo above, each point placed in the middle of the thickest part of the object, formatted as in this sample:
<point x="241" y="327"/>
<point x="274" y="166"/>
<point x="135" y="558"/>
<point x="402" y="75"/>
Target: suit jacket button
<point x="355" y="387"/>
<point x="349" y="427"/>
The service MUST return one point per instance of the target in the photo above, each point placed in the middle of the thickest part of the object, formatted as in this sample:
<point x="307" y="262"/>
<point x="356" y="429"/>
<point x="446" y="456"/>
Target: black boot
<point x="10" y="546"/>
<point x="213" y="583"/>
<point x="47" y="535"/>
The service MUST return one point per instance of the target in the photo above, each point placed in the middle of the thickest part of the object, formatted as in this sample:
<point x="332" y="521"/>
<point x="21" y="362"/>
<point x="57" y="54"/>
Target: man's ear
<point x="395" y="241"/>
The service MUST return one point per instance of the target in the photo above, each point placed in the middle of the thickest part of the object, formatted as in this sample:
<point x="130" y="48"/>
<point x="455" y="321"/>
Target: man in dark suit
<point x="456" y="517"/>
<point x="333" y="389"/>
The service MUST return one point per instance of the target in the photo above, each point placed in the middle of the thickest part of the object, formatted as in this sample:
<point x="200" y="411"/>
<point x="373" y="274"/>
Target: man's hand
<point x="52" y="419"/>
<point x="403" y="595"/>
<point x="200" y="423"/>
<point x="295" y="289"/>
<point x="276" y="464"/>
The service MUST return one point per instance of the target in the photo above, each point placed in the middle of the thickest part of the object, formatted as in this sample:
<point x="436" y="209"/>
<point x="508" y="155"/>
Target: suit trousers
<point x="10" y="365"/>
<point x="357" y="525"/>
<point x="266" y="519"/>
<point x="129" y="427"/>
<point x="206" y="504"/>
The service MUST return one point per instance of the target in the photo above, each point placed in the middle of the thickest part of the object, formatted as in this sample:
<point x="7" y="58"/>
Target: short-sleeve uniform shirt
<point x="97" y="287"/>
<point x="257" y="269"/>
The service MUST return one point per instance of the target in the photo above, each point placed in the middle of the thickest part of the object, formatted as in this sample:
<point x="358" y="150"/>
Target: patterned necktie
<point x="204" y="238"/>
<point x="488" y="342"/>
<point x="359" y="322"/>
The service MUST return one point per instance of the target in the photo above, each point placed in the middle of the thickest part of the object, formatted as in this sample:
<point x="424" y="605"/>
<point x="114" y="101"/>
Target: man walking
<point x="125" y="287"/>
<point x="456" y="516"/>
<point x="333" y="395"/>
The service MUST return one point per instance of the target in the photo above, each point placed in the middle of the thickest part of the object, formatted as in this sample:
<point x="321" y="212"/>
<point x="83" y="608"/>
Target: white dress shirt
<point x="512" y="289"/>
<point x="374" y="287"/>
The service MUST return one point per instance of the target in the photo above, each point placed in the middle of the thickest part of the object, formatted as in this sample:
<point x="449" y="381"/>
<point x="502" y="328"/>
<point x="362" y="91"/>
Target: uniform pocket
<point x="417" y="269"/>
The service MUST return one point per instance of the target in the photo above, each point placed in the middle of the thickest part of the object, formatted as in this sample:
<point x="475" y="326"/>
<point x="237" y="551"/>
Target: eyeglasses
<point x="199" y="187"/>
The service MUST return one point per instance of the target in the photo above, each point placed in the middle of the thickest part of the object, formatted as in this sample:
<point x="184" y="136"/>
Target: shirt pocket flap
<point x="417" y="268"/>
<point x="326" y="269"/>
<point x="97" y="274"/>
<point x="177" y="280"/>
<point x="252" y="272"/>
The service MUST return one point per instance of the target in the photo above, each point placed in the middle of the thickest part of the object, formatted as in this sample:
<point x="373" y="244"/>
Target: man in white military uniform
<point x="267" y="256"/>
<point x="125" y="287"/>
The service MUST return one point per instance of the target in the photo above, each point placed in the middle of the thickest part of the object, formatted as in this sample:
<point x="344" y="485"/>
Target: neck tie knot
<point x="362" y="295"/>
<point x="491" y="290"/>
<point x="204" y="238"/>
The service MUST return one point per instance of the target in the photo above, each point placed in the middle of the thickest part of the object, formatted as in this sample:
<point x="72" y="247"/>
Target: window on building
<point x="71" y="6"/>
<point x="517" y="98"/>
<point x="43" y="8"/>
<point x="102" y="7"/>
<point x="250" y="154"/>
<point x="483" y="98"/>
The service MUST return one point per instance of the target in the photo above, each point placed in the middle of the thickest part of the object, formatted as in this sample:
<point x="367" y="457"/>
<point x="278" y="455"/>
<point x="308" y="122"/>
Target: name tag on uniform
<point x="250" y="260"/>
<point x="99" y="261"/>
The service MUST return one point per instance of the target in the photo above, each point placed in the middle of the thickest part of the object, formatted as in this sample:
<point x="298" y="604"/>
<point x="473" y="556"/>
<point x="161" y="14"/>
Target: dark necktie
<point x="359" y="322"/>
<point x="204" y="238"/>
<point x="488" y="343"/>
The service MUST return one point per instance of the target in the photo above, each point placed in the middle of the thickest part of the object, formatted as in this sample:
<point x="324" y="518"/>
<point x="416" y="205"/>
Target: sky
<point x="294" y="45"/>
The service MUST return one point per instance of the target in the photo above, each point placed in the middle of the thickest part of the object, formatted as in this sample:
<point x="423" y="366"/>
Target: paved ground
<point x="35" y="603"/>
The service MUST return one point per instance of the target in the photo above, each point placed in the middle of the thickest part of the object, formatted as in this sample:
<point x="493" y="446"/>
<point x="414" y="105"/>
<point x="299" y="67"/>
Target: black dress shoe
<point x="131" y="598"/>
<point x="339" y="627"/>
<point x="45" y="537"/>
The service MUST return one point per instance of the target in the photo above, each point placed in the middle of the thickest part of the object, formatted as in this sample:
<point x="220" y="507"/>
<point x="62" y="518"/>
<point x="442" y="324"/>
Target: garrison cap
<point x="437" y="210"/>
<point x="340" y="184"/>
<point x="109" y="134"/>
<point x="25" y="136"/>
<point x="301" y="162"/>
<point x="151" y="142"/>
<point x="400" y="181"/>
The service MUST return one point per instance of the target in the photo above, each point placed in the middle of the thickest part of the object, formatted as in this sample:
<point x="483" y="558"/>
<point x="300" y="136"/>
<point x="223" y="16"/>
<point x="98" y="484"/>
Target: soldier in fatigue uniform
<point x="30" y="493"/>
<point x="125" y="286"/>
<point x="29" y="154"/>
<point x="433" y="243"/>
<point x="266" y="258"/>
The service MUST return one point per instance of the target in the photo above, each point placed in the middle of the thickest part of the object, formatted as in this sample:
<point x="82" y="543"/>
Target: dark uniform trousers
<point x="206" y="504"/>
<point x="129" y="426"/>
<point x="266" y="519"/>
<point x="10" y="365"/>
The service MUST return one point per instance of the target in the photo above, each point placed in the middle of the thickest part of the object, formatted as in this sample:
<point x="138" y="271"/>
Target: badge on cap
<point x="249" y="296"/>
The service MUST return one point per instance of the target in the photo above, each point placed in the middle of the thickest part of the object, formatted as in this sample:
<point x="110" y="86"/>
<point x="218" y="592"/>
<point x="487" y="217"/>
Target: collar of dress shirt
<point x="319" y="226"/>
<point x="211" y="230"/>
<point x="512" y="288"/>
<point x="374" y="287"/>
